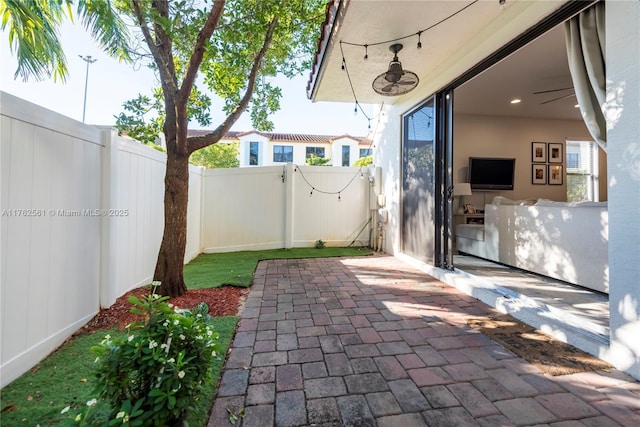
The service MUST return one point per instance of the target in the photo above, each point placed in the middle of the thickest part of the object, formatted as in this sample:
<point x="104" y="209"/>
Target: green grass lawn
<point x="236" y="268"/>
<point x="66" y="376"/>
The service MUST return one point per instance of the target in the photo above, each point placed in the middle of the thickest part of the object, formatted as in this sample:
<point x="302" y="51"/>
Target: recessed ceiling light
<point x="516" y="101"/>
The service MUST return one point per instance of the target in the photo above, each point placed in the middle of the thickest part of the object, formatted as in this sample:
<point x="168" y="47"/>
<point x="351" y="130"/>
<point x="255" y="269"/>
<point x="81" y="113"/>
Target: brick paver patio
<point x="372" y="341"/>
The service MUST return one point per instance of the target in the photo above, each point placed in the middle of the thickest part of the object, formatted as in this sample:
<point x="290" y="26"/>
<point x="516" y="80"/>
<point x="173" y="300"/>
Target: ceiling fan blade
<point x="406" y="82"/>
<point x="552" y="90"/>
<point x="388" y="88"/>
<point x="558" y="99"/>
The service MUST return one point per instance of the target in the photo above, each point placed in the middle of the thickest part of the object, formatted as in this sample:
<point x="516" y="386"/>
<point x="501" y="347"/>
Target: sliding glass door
<point x="418" y="182"/>
<point x="426" y="181"/>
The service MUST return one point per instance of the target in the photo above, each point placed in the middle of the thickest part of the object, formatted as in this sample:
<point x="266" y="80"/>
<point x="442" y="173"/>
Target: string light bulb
<point x="419" y="42"/>
<point x="366" y="51"/>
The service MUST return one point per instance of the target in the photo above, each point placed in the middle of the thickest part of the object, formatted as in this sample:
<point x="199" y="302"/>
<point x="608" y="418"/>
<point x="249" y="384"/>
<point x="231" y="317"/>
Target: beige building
<point x="268" y="149"/>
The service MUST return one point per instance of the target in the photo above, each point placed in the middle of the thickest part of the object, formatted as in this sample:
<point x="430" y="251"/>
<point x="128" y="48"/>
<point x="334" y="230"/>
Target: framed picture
<point x="469" y="208"/>
<point x="555" y="153"/>
<point x="555" y="174"/>
<point x="539" y="152"/>
<point x="539" y="174"/>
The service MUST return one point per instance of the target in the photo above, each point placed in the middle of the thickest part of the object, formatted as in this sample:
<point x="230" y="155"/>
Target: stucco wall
<point x="623" y="151"/>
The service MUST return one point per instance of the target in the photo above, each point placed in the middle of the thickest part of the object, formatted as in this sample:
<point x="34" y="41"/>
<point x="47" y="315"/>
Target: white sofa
<point x="566" y="241"/>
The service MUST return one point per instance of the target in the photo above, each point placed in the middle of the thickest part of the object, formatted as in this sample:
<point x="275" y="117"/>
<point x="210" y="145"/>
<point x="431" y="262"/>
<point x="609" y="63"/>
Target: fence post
<point x="108" y="259"/>
<point x="288" y="177"/>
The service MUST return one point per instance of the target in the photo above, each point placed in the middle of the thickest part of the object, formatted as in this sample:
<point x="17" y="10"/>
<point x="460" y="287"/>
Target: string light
<point x="418" y="33"/>
<point x="313" y="188"/>
<point x="358" y="172"/>
<point x="366" y="54"/>
<point x="346" y="69"/>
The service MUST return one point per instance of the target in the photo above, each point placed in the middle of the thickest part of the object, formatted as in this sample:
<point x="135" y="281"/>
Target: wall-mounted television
<point x="490" y="173"/>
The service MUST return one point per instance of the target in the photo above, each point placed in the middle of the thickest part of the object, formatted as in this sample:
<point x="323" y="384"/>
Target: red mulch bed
<point x="223" y="301"/>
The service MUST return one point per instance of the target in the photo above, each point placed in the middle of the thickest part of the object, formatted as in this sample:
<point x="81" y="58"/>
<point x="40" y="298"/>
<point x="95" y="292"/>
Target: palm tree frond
<point x="107" y="26"/>
<point x="33" y="36"/>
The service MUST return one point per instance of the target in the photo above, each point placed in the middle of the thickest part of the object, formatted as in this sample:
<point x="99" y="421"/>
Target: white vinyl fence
<point x="82" y="219"/>
<point x="277" y="207"/>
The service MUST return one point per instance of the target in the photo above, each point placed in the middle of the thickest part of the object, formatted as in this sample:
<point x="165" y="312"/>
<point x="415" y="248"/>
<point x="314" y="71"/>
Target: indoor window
<point x="282" y="153"/>
<point x="582" y="171"/>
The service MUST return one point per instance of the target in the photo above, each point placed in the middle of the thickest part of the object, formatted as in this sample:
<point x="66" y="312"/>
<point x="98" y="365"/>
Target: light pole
<point x="89" y="60"/>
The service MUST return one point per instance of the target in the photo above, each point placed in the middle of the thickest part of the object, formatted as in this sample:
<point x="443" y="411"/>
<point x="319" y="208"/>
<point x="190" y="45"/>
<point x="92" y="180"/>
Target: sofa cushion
<point x="471" y="231"/>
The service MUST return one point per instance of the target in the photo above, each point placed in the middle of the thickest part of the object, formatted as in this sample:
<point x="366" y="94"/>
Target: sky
<point x="111" y="83"/>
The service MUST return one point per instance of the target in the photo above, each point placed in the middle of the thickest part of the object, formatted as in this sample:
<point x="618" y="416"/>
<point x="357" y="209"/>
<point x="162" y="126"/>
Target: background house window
<point x="254" y="153"/>
<point x="282" y="153"/>
<point x="316" y="151"/>
<point x="345" y="155"/>
<point x="364" y="152"/>
<point x="582" y="171"/>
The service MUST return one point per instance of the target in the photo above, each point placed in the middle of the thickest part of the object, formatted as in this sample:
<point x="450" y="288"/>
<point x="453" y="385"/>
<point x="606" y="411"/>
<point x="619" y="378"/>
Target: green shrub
<point x="154" y="374"/>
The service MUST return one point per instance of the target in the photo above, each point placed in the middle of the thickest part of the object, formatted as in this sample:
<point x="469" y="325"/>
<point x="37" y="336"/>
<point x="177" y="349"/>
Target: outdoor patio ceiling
<point x="379" y="24"/>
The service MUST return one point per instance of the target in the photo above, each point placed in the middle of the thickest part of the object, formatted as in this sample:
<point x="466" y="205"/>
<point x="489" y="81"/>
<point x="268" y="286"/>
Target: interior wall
<point x="511" y="137"/>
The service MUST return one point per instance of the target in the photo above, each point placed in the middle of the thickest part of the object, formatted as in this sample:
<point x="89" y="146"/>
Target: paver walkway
<point x="372" y="341"/>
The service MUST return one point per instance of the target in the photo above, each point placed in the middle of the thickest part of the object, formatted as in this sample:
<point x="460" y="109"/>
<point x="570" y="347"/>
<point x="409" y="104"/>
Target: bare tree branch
<point x="165" y="66"/>
<point x="198" y="50"/>
<point x="195" y="143"/>
<point x="182" y="97"/>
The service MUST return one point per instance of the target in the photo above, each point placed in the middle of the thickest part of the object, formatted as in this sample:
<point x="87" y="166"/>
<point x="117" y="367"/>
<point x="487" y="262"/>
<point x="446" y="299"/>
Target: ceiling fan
<point x="563" y="89"/>
<point x="395" y="81"/>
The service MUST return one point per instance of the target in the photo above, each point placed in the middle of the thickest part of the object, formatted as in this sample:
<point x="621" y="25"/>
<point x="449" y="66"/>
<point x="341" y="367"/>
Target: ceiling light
<point x="516" y="101"/>
<point x="577" y="105"/>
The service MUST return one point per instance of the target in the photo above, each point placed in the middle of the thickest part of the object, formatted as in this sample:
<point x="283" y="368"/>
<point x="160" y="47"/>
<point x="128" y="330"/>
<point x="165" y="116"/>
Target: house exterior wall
<point x="332" y="148"/>
<point x="336" y="151"/>
<point x="623" y="152"/>
<point x="245" y="144"/>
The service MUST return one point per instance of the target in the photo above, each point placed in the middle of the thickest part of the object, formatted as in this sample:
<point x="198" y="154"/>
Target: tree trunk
<point x="169" y="268"/>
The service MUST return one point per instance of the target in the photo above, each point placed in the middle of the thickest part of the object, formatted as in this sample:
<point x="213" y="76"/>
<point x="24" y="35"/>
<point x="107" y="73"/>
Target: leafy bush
<point x="314" y="160"/>
<point x="154" y="374"/>
<point x="364" y="161"/>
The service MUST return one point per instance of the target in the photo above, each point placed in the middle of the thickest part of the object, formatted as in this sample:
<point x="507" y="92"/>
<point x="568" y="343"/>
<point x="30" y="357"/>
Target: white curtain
<point x="586" y="52"/>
